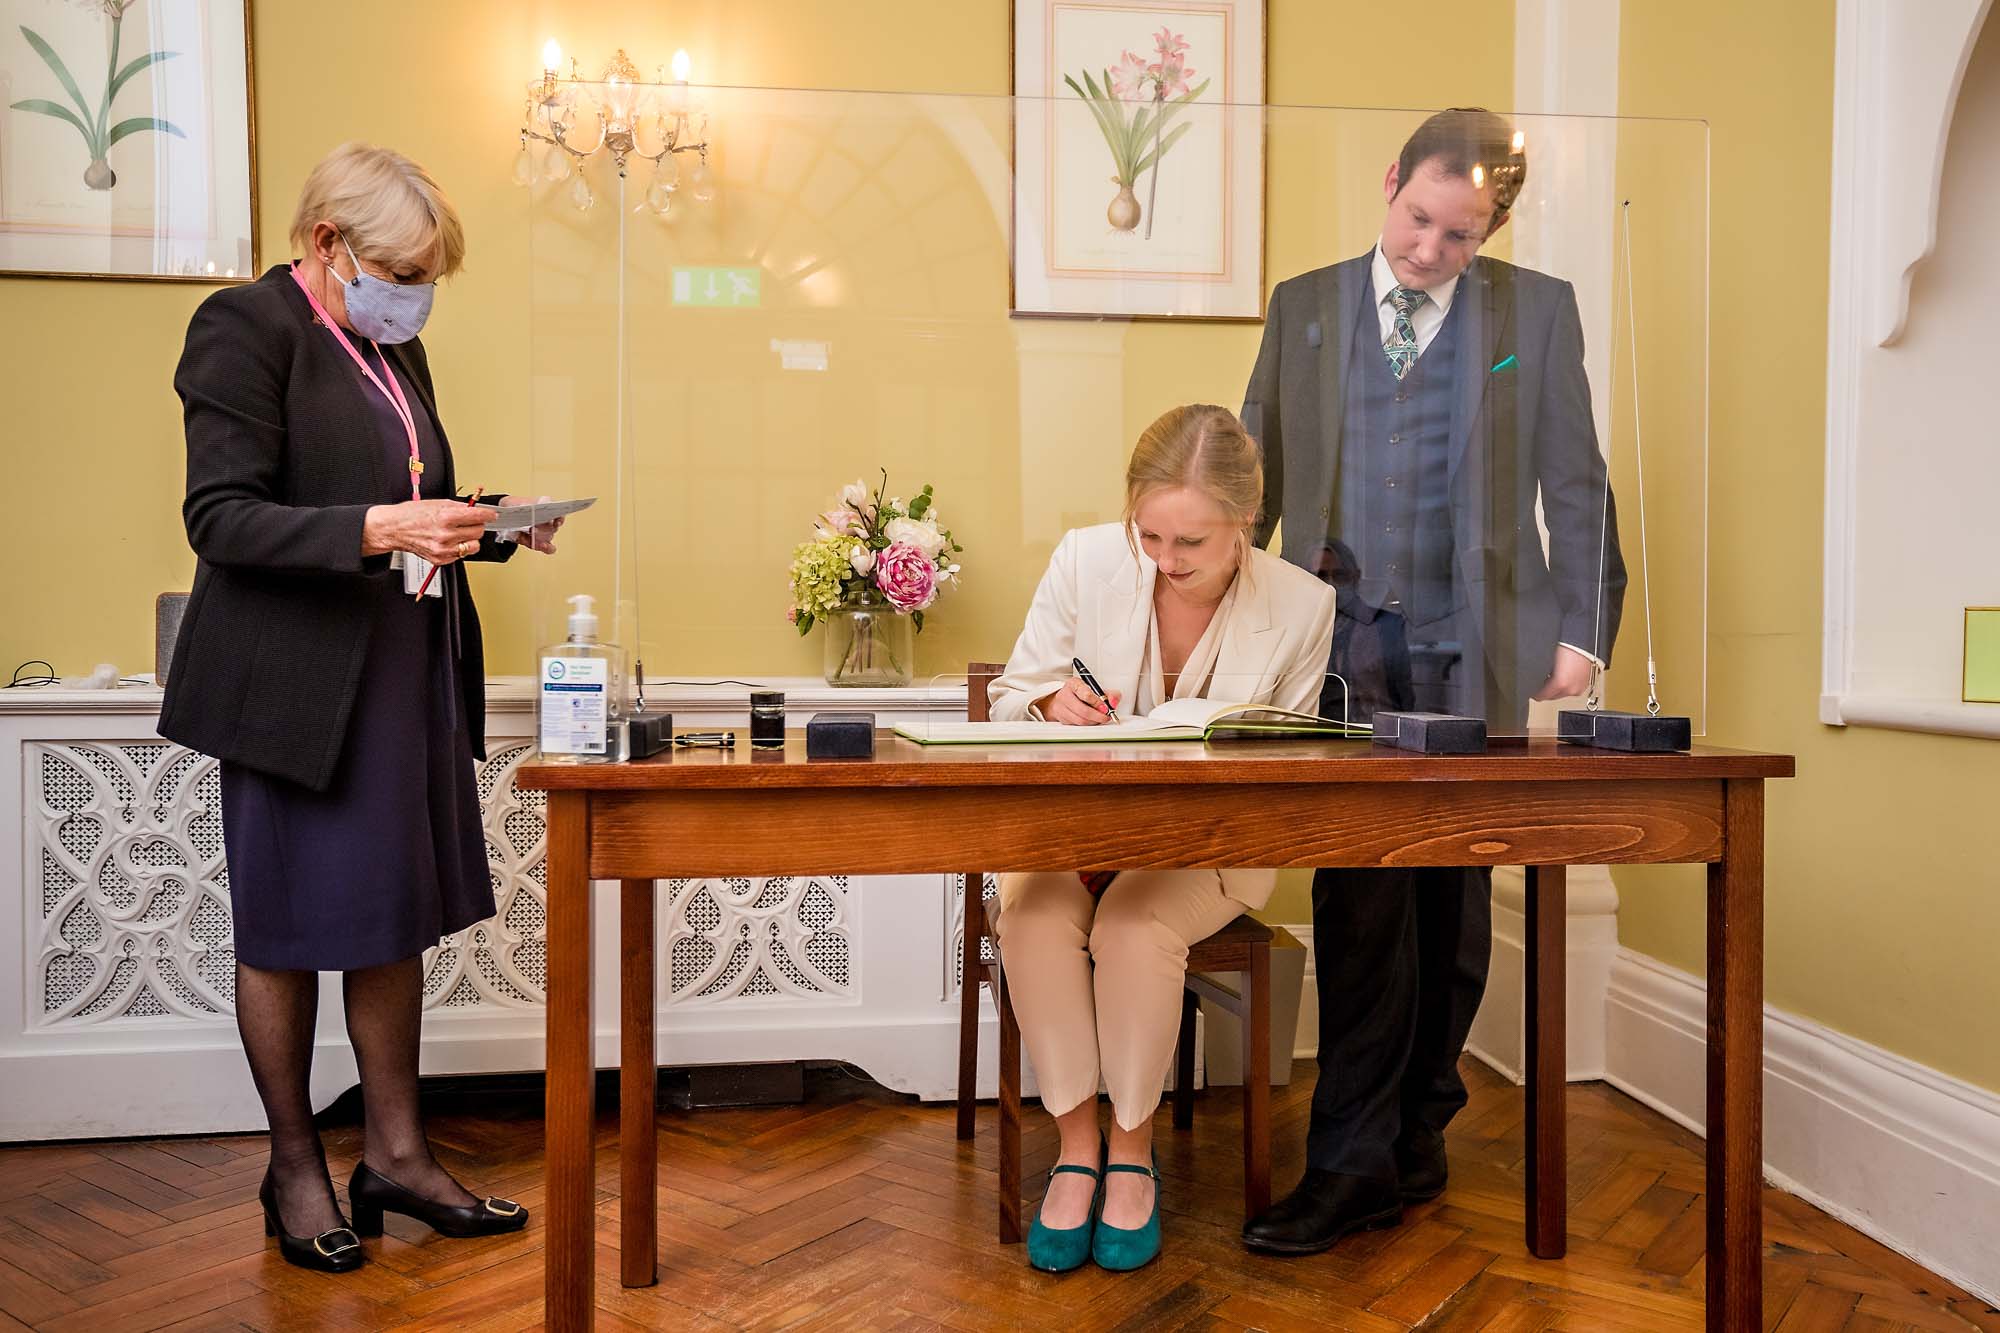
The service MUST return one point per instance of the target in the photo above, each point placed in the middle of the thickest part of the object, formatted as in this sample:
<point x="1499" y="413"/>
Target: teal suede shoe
<point x="1055" y="1251"/>
<point x="1120" y="1250"/>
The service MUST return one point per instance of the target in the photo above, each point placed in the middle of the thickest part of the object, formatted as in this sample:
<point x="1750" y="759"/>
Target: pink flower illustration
<point x="1170" y="43"/>
<point x="1128" y="78"/>
<point x="906" y="577"/>
<point x="1170" y="76"/>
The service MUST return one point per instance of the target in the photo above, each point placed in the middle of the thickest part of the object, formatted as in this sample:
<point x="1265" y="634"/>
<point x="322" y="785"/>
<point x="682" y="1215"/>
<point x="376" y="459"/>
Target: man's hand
<point x="1569" y="676"/>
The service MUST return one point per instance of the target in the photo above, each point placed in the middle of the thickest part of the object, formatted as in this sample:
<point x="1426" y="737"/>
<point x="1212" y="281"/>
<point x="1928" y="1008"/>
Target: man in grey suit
<point x="1413" y="404"/>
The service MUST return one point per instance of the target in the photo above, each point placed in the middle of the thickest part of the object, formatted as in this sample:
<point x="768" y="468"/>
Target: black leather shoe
<point x="371" y="1194"/>
<point x="1325" y="1207"/>
<point x="1421" y="1168"/>
<point x="335" y="1250"/>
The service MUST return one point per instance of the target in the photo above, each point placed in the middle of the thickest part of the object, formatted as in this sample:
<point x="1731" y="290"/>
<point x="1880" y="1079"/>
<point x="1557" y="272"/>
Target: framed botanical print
<point x="1139" y="158"/>
<point x="127" y="144"/>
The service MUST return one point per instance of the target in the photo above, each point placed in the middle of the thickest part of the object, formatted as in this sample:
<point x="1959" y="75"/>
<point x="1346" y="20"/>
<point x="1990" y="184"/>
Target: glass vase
<point x="869" y="642"/>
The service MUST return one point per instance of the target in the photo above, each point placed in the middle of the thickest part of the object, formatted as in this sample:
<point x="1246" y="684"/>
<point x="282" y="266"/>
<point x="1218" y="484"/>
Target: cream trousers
<point x="1096" y="982"/>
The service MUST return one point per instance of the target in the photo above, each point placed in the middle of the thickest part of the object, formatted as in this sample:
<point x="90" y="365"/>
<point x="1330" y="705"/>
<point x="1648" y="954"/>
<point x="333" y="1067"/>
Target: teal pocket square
<point x="1508" y="364"/>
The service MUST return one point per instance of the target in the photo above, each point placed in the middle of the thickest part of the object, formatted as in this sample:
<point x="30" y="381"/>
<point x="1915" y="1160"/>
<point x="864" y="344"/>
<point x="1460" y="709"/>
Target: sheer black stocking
<point x="276" y="1013"/>
<point x="384" y="1017"/>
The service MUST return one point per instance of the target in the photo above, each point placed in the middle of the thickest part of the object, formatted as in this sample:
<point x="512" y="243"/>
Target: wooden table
<point x="917" y="810"/>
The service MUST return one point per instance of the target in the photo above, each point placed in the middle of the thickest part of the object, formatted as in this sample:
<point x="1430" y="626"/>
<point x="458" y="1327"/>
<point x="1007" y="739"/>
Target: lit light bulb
<point x="681" y="66"/>
<point x="551" y="57"/>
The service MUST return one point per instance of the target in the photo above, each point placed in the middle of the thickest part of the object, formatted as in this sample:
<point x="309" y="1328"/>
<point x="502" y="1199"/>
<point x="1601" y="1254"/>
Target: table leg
<point x="1736" y="1062"/>
<point x="572" y="1093"/>
<point x="638" y="1081"/>
<point x="1547" y="1061"/>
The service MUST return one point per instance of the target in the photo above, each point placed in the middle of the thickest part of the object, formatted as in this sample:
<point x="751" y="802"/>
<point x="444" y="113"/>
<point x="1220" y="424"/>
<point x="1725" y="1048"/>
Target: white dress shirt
<point x="1426" y="319"/>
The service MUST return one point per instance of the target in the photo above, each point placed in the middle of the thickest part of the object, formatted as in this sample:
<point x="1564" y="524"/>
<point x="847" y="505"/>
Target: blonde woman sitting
<point x="1172" y="603"/>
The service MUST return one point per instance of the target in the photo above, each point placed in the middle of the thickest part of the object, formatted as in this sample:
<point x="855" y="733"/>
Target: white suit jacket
<point x="1096" y="602"/>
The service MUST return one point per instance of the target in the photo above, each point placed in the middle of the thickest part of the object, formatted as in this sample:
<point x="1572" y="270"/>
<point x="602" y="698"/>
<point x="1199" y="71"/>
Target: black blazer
<point x="1521" y="427"/>
<point x="276" y="632"/>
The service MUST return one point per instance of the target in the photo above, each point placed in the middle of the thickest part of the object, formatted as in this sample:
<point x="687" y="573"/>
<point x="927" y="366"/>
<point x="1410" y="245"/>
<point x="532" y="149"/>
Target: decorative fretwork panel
<point x="134" y="892"/>
<point x="954" y="920"/>
<point x="503" y="959"/>
<point x="128" y="870"/>
<point x="789" y="937"/>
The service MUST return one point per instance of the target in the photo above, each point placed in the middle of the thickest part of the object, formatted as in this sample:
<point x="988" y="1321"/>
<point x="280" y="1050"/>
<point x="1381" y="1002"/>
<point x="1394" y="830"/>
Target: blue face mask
<point x="386" y="312"/>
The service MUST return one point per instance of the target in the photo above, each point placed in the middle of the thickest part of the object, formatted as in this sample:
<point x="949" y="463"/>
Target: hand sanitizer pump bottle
<point x="580" y="694"/>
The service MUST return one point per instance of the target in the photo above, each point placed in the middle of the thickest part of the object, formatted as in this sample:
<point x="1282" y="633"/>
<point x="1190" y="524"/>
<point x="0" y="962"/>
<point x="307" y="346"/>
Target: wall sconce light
<point x="618" y="114"/>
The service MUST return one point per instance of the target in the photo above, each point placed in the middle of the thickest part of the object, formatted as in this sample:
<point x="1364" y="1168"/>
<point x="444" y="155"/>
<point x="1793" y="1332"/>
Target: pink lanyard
<point x="391" y="391"/>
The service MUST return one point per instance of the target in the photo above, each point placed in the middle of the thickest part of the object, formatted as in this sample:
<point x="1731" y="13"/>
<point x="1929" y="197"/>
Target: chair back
<point x="978" y="677"/>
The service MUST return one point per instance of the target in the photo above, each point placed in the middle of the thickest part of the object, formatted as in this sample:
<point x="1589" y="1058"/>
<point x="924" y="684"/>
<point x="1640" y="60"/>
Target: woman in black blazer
<point x="345" y="710"/>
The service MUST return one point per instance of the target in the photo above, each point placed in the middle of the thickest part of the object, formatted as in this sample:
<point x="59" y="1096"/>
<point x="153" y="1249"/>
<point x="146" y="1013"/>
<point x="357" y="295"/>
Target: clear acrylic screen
<point x="852" y="302"/>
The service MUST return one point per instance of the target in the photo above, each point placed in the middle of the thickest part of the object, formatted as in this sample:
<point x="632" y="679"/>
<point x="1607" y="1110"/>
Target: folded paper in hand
<point x="514" y="518"/>
<point x="1174" y="720"/>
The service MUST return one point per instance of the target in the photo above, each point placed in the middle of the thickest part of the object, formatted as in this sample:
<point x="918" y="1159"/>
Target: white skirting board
<point x="1896" y="1150"/>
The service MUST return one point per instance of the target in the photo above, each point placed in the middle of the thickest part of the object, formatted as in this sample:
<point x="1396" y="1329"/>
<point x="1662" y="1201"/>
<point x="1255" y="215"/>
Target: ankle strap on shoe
<point x="1132" y="1167"/>
<point x="1054" y="1171"/>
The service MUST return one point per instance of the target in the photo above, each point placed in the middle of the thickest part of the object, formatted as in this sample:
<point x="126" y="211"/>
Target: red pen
<point x="424" y="587"/>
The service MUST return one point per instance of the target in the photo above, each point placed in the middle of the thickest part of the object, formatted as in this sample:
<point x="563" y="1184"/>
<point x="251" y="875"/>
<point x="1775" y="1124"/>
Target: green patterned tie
<point x="1401" y="348"/>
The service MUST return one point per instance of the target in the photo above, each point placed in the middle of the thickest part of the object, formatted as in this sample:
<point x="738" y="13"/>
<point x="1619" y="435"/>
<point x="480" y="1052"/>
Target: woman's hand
<point x="541" y="537"/>
<point x="1074" y="705"/>
<point x="441" y="531"/>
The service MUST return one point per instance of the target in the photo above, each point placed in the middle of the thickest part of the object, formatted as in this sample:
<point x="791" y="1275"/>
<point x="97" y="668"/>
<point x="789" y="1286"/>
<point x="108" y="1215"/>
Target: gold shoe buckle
<point x="353" y="1242"/>
<point x="503" y="1208"/>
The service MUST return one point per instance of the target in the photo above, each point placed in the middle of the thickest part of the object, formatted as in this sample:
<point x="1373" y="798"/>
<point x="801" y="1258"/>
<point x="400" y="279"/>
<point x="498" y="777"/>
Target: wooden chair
<point x="1243" y="946"/>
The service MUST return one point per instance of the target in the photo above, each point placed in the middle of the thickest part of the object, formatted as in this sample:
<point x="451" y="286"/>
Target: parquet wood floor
<point x="859" y="1210"/>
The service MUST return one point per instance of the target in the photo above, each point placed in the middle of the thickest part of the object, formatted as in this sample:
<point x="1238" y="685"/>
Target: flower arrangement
<point x="1162" y="87"/>
<point x="871" y="547"/>
<point x="873" y="567"/>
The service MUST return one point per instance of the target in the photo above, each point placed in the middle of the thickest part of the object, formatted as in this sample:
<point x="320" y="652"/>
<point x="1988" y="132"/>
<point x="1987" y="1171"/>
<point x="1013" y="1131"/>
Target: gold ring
<point x="467" y="547"/>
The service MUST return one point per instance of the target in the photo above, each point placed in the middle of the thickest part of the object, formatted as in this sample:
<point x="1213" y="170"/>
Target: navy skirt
<point x="392" y="855"/>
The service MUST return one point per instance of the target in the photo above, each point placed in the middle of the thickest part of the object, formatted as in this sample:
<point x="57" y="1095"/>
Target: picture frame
<point x="128" y="142"/>
<point x="1139" y="173"/>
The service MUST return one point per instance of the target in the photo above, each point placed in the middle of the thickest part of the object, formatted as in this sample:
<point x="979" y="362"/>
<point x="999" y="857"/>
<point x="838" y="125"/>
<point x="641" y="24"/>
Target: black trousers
<point x="1400" y="954"/>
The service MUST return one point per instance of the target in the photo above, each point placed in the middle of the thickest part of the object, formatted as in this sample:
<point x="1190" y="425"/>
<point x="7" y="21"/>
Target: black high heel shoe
<point x="335" y="1250"/>
<point x="371" y="1194"/>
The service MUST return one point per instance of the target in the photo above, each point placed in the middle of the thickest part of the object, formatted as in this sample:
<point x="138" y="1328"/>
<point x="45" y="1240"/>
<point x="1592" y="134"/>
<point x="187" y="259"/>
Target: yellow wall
<point x="89" y="364"/>
<point x="1881" y="896"/>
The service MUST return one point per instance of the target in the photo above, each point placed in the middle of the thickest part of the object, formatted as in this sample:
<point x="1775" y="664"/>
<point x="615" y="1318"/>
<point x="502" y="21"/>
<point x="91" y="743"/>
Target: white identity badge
<point x="415" y="570"/>
<point x="574" y="694"/>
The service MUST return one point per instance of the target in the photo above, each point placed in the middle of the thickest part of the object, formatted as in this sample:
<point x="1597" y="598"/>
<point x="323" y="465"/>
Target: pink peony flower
<point x="906" y="577"/>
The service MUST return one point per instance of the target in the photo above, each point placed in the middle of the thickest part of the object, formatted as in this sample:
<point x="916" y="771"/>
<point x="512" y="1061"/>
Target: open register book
<point x="1174" y="720"/>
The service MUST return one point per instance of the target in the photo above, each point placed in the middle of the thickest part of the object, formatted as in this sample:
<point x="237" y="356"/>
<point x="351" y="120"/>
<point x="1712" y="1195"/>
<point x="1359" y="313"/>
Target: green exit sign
<point x="718" y="286"/>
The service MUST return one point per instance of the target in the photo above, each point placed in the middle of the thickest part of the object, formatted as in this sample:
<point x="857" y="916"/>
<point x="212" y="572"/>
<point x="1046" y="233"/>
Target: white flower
<point x="860" y="499"/>
<point x="921" y="533"/>
<point x="863" y="559"/>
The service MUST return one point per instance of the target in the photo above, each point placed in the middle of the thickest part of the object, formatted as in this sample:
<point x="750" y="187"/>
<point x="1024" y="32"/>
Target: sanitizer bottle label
<point x="573" y="713"/>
